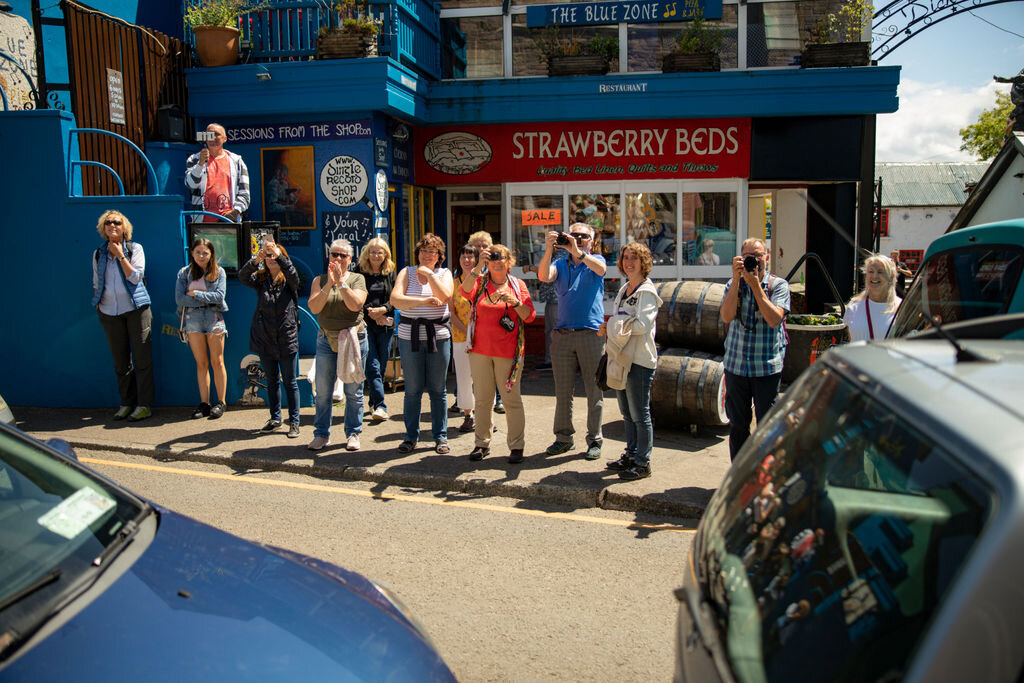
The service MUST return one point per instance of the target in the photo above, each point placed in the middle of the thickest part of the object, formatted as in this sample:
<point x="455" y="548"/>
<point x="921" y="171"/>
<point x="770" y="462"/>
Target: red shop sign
<point x="587" y="150"/>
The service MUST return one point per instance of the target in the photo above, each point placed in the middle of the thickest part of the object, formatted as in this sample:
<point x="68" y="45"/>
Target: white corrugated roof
<point x="927" y="184"/>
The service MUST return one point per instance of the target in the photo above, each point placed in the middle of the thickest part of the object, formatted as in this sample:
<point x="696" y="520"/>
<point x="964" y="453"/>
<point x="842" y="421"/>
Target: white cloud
<point x="927" y="125"/>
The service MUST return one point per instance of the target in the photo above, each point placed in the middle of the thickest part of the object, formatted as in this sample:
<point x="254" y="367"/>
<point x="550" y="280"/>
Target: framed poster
<point x="289" y="188"/>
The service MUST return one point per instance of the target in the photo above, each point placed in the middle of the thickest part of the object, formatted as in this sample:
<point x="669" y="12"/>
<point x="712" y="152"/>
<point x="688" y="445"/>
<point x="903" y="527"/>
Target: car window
<point x="55" y="519"/>
<point x="835" y="538"/>
<point x="960" y="284"/>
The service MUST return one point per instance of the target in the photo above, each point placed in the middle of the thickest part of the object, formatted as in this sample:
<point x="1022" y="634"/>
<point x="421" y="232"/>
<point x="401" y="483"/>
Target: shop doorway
<point x="473" y="210"/>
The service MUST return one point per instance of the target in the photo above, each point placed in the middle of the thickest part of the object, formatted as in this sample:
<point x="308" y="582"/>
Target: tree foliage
<point x="985" y="137"/>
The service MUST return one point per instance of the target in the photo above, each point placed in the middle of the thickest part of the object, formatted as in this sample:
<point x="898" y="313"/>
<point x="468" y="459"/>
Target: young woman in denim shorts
<point x="200" y="292"/>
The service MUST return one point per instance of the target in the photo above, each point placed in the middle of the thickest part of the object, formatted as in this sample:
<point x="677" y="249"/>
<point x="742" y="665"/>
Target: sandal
<point x="406" y="446"/>
<point x="442" y="447"/>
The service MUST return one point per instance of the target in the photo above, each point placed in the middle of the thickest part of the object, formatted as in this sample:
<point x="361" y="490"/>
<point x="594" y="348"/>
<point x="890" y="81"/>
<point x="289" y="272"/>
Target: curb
<point x="605" y="497"/>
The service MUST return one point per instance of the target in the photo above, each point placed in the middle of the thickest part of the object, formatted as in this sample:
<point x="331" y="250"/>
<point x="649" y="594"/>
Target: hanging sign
<point x="115" y="96"/>
<point x="627" y="11"/>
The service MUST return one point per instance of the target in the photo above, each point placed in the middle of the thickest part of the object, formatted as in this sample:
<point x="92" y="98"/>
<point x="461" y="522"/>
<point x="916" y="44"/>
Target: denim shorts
<point x="205" y="321"/>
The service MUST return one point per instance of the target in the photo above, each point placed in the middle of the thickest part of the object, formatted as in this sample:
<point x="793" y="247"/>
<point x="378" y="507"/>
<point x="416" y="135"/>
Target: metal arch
<point x="28" y="78"/>
<point x="900" y="20"/>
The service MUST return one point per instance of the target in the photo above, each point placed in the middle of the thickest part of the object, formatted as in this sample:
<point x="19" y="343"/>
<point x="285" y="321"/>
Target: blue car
<point x="96" y="582"/>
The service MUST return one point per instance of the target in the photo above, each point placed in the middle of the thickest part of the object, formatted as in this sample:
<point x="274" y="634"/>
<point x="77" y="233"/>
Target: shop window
<point x="419" y="215"/>
<point x="533" y="216"/>
<point x="651" y="220"/>
<point x="709" y="228"/>
<point x="472" y="47"/>
<point x="912" y="258"/>
<point x="600" y="212"/>
<point x="527" y="59"/>
<point x="883" y="222"/>
<point x="648" y="43"/>
<point x="773" y="34"/>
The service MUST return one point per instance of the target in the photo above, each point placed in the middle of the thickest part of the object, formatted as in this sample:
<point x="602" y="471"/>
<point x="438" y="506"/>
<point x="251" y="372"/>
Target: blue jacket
<point x="138" y="293"/>
<point x="213" y="296"/>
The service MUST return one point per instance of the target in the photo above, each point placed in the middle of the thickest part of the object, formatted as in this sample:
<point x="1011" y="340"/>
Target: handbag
<point x="602" y="373"/>
<point x="182" y="332"/>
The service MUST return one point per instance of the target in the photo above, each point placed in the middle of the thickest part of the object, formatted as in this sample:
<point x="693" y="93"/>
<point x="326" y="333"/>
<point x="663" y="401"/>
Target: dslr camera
<point x="750" y="264"/>
<point x="205" y="135"/>
<point x="562" y="239"/>
<point x="495" y="256"/>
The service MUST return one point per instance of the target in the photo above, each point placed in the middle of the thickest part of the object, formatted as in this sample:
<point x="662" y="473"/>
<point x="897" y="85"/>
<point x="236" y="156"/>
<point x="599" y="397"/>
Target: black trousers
<point x="129" y="336"/>
<point x="740" y="391"/>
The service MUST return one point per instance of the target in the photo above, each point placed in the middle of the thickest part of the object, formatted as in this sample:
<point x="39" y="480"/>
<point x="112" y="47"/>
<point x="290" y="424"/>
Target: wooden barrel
<point x="689" y="316"/>
<point x="688" y="389"/>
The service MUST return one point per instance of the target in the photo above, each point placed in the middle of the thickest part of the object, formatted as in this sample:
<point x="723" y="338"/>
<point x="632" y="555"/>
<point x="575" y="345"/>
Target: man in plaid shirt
<point x="755" y="306"/>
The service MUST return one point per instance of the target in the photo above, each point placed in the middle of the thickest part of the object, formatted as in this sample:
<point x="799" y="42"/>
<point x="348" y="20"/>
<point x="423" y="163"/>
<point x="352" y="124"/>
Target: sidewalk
<point x="686" y="468"/>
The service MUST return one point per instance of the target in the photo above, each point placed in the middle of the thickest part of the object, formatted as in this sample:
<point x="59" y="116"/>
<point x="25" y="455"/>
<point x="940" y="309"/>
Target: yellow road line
<point x="381" y="496"/>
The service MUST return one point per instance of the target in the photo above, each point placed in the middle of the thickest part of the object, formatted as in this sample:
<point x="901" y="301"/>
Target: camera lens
<point x="750" y="263"/>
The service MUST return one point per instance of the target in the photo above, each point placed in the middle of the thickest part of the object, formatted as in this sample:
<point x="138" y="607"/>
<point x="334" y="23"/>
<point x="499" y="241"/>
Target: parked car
<point x="95" y="582"/>
<point x="872" y="529"/>
<point x="966" y="274"/>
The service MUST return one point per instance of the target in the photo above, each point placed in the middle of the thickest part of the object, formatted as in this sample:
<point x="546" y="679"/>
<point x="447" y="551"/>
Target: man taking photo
<point x="755" y="306"/>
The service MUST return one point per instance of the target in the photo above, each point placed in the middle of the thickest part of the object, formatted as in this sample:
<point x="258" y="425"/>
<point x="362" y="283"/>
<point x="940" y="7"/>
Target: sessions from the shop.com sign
<point x="299" y="132"/>
<point x="626" y="11"/>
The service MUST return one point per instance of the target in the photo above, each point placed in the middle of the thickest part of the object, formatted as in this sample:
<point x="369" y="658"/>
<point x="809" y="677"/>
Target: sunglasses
<point x="580" y="235"/>
<point x="335" y="254"/>
<point x="111" y="222"/>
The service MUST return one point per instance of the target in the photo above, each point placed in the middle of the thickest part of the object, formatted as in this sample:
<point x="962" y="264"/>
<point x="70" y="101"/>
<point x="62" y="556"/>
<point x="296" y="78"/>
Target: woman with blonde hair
<point x="870" y="312"/>
<point x="378" y="270"/>
<point x="199" y="294"/>
<point x="121" y="300"/>
<point x="274" y="333"/>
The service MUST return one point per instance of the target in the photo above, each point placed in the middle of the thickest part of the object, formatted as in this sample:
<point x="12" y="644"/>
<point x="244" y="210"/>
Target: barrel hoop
<point x="680" y="377"/>
<point x="700" y="387"/>
<point x="700" y="304"/>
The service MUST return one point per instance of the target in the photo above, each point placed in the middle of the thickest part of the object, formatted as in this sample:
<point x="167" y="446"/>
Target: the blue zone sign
<point x="639" y="12"/>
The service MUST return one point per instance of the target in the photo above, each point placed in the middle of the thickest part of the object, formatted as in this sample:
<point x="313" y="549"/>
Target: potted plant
<point x="353" y="33"/>
<point x="214" y="23"/>
<point x="573" y="54"/>
<point x="696" y="47"/>
<point x="836" y="39"/>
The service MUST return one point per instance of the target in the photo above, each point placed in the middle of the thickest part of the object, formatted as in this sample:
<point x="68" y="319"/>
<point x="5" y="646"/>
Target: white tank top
<point x="416" y="288"/>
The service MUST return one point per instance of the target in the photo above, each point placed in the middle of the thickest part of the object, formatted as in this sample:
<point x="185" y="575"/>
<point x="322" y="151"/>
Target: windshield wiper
<point x="44" y="580"/>
<point x="124" y="536"/>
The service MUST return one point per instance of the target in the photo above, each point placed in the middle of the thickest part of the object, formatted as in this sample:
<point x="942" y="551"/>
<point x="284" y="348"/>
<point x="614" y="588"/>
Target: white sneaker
<point x="379" y="414"/>
<point x="353" y="443"/>
<point x="318" y="443"/>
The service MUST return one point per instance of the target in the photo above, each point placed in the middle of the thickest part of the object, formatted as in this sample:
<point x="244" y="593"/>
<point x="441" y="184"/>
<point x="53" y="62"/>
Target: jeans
<point x="635" y="405"/>
<point x="280" y="371"/>
<point x="424" y="370"/>
<point x="375" y="360"/>
<point x="739" y="392"/>
<point x="326" y="375"/>
<point x="131" y="346"/>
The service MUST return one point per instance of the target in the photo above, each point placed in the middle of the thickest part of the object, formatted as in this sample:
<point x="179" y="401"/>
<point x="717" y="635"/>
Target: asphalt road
<point x="509" y="590"/>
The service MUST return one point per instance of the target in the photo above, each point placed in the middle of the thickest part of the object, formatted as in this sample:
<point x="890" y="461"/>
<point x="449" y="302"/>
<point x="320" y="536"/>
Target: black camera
<point x="495" y="256"/>
<point x="750" y="263"/>
<point x="507" y="322"/>
<point x="562" y="239"/>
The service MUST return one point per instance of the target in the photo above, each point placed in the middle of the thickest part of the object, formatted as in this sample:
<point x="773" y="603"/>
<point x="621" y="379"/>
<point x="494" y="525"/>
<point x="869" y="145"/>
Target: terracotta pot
<point x="344" y="44"/>
<point x="577" y="65"/>
<point x="699" y="61"/>
<point x="216" y="45"/>
<point x="817" y="56"/>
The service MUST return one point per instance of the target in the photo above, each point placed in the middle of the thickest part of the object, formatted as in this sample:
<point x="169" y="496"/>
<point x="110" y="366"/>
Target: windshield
<point x="835" y="537"/>
<point x="55" y="520"/>
<point x="960" y="284"/>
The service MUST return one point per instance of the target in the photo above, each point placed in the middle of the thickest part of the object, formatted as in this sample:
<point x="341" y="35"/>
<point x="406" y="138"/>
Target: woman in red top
<point x="495" y="340"/>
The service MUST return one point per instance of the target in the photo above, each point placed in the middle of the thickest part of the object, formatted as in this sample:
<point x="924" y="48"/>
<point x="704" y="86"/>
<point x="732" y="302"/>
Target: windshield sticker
<point x="76" y="513"/>
<point x="992" y="271"/>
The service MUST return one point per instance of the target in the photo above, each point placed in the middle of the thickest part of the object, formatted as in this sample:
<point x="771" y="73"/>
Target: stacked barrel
<point x="689" y="383"/>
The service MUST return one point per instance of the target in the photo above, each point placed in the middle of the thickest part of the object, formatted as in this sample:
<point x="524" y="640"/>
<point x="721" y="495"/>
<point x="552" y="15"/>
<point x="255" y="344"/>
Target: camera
<point x="750" y="264"/>
<point x="205" y="135"/>
<point x="507" y="322"/>
<point x="562" y="239"/>
<point x="495" y="256"/>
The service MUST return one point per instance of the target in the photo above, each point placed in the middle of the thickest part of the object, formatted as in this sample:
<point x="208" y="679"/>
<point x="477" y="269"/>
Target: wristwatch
<point x="120" y="258"/>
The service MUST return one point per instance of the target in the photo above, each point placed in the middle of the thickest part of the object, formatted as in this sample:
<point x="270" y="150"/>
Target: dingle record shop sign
<point x="584" y="150"/>
<point x="627" y="11"/>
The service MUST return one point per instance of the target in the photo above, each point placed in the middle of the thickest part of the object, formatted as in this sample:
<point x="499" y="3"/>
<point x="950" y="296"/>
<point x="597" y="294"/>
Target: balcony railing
<point x="287" y="31"/>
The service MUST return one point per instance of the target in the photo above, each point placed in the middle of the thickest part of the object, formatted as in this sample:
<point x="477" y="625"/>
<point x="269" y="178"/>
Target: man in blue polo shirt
<point x="755" y="306"/>
<point x="579" y="287"/>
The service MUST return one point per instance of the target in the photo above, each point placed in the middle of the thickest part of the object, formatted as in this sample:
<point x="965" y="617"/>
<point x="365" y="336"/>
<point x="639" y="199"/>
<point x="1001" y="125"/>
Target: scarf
<point x="517" y="358"/>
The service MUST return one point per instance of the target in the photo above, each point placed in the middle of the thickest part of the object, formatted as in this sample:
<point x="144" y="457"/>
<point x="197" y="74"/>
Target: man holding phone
<point x="217" y="179"/>
<point x="579" y="288"/>
<point x="755" y="307"/>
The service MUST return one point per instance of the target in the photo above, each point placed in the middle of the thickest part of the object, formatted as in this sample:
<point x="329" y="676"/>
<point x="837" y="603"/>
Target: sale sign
<point x="584" y="150"/>
<point x="542" y="217"/>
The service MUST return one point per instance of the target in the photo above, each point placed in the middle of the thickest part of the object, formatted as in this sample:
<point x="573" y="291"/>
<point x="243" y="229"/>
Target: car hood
<point x="201" y="604"/>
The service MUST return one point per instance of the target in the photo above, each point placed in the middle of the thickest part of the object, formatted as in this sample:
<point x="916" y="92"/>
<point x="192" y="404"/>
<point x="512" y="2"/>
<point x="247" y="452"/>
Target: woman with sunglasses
<point x="496" y="340"/>
<point x="199" y="294"/>
<point x="274" y="332"/>
<point x="422" y="293"/>
<point x="122" y="302"/>
<point x="336" y="298"/>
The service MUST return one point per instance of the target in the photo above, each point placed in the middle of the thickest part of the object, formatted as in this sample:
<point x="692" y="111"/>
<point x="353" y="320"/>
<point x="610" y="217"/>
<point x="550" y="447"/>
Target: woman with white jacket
<point x="633" y="357"/>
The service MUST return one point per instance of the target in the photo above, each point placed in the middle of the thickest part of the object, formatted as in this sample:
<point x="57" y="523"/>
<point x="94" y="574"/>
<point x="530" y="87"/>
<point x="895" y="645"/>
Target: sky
<point x="946" y="82"/>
